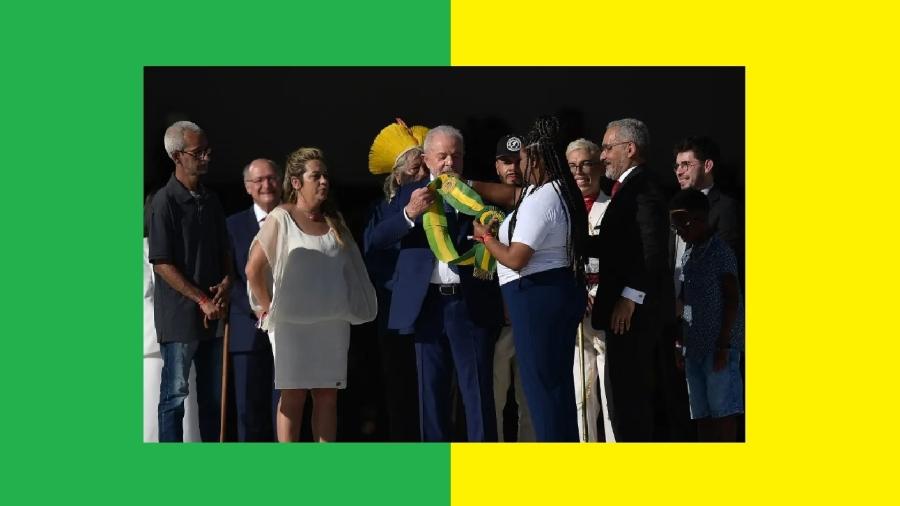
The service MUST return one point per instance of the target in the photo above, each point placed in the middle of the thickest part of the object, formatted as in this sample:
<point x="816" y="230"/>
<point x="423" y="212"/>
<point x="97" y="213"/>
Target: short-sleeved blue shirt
<point x="704" y="267"/>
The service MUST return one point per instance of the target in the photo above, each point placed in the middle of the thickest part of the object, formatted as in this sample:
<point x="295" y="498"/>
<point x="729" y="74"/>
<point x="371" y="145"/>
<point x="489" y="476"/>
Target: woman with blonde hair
<point x="308" y="284"/>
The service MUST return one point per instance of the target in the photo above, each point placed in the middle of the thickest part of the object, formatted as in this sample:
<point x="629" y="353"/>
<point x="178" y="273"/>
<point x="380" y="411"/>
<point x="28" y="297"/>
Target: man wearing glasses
<point x="696" y="159"/>
<point x="248" y="347"/>
<point x="632" y="278"/>
<point x="189" y="250"/>
<point x="592" y="383"/>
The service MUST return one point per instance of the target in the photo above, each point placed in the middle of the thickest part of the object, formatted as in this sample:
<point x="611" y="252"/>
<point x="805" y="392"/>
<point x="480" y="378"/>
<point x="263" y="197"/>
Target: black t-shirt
<point x="188" y="231"/>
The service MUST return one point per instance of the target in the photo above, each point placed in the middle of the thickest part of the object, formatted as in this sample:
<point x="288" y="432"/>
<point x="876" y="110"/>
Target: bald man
<point x="248" y="347"/>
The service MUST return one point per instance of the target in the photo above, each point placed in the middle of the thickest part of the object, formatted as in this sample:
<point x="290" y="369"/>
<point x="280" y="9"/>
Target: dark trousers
<point x="253" y="376"/>
<point x="673" y="412"/>
<point x="447" y="339"/>
<point x="398" y="368"/>
<point x="631" y="360"/>
<point x="545" y="309"/>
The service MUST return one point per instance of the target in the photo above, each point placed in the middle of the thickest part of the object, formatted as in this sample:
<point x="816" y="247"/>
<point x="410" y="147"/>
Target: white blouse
<point x="542" y="225"/>
<point x="313" y="278"/>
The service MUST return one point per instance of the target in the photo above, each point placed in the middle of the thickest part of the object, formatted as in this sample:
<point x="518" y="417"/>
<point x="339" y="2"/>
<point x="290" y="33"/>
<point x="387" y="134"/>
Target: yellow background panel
<point x="822" y="276"/>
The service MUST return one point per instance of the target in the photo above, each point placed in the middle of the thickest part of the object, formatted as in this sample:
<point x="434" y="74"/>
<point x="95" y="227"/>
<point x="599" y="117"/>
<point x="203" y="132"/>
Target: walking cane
<point x="584" y="419"/>
<point x="224" y="381"/>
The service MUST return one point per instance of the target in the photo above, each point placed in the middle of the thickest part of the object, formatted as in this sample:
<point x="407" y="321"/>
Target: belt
<point x="451" y="289"/>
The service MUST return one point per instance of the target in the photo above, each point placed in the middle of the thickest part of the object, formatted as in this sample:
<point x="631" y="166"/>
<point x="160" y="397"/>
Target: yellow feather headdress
<point x="390" y="144"/>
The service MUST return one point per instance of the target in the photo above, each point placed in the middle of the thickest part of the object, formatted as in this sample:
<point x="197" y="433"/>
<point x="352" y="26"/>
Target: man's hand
<point x="419" y="202"/>
<point x="210" y="310"/>
<point x="620" y="322"/>
<point x="221" y="293"/>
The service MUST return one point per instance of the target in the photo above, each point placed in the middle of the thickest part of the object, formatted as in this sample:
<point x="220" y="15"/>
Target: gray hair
<point x="447" y="130"/>
<point x="391" y="186"/>
<point x="270" y="162"/>
<point x="592" y="148"/>
<point x="174" y="139"/>
<point x="634" y="130"/>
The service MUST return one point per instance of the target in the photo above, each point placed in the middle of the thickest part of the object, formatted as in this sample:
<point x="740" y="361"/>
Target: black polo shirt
<point x="187" y="231"/>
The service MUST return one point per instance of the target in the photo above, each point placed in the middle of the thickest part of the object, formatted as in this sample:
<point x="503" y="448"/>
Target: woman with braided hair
<point x="308" y="284"/>
<point x="540" y="255"/>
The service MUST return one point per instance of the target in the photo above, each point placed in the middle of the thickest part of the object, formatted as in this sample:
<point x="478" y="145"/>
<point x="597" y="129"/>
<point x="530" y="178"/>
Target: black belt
<point x="451" y="289"/>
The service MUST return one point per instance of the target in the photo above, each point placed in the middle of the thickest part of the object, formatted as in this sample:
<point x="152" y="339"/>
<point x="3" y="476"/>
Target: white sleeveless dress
<point x="319" y="290"/>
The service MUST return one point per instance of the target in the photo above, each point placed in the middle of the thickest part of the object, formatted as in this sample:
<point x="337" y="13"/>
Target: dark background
<point x="268" y="112"/>
<point x="252" y="113"/>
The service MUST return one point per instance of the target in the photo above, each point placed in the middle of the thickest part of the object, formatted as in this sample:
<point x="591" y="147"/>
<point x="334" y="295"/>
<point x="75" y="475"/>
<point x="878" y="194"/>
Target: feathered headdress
<point x="419" y="133"/>
<point x="390" y="144"/>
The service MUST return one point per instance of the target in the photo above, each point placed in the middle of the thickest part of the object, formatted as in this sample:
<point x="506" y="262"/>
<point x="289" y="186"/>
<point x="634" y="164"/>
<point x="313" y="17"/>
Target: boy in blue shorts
<point x="712" y="312"/>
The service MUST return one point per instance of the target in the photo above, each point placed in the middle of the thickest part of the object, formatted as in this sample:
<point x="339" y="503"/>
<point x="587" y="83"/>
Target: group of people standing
<point x="591" y="256"/>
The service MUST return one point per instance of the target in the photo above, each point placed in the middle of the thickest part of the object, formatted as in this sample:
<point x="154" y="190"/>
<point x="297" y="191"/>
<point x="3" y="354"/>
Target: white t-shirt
<point x="542" y="225"/>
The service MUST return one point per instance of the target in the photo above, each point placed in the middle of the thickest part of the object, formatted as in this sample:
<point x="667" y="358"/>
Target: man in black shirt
<point x="189" y="250"/>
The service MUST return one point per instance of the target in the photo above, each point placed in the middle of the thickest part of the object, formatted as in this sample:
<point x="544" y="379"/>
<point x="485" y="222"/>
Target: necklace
<point x="312" y="215"/>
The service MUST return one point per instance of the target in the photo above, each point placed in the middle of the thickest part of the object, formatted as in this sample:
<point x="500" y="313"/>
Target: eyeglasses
<point x="259" y="180"/>
<point x="206" y="153"/>
<point x="685" y="165"/>
<point x="608" y="147"/>
<point x="585" y="165"/>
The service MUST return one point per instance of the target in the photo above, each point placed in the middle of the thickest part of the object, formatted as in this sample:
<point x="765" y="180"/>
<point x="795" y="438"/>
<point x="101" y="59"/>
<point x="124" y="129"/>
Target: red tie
<point x="615" y="188"/>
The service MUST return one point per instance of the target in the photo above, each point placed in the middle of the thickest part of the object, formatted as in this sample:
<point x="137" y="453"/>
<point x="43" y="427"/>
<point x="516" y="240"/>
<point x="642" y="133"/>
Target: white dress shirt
<point x="260" y="214"/>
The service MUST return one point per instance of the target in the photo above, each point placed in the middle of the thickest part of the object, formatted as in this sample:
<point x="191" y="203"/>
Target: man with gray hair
<point x="590" y="372"/>
<point x="453" y="315"/>
<point x="249" y="347"/>
<point x="191" y="258"/>
<point x="634" y="294"/>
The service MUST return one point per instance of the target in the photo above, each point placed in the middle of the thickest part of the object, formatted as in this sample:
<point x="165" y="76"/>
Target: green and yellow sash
<point x="449" y="188"/>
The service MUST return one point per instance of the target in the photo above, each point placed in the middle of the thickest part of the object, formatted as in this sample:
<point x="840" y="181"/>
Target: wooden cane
<point x="224" y="382"/>
<point x="584" y="418"/>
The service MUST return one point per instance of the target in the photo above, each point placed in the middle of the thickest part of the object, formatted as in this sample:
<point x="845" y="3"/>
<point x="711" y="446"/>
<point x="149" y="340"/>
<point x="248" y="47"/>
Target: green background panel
<point x="71" y="200"/>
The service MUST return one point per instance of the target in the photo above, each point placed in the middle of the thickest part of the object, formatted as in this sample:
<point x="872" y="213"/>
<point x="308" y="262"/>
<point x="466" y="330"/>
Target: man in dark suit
<point x="248" y="347"/>
<point x="696" y="160"/>
<point x="631" y="245"/>
<point x="454" y="316"/>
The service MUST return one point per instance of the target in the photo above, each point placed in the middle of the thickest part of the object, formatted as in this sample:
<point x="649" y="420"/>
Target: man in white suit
<point x="591" y="375"/>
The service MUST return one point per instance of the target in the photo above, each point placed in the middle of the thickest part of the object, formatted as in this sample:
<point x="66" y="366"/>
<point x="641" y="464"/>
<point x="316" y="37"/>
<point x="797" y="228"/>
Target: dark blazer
<point x="244" y="337"/>
<point x="723" y="218"/>
<point x="415" y="263"/>
<point x="632" y="245"/>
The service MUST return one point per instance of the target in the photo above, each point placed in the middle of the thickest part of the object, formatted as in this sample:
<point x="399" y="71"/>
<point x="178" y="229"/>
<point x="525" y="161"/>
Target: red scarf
<point x="588" y="202"/>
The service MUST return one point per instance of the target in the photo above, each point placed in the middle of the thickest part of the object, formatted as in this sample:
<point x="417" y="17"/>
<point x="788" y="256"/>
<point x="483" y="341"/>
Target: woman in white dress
<point x="308" y="283"/>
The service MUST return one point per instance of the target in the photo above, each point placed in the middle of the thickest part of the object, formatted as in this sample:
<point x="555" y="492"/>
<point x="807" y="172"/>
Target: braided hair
<point x="543" y="156"/>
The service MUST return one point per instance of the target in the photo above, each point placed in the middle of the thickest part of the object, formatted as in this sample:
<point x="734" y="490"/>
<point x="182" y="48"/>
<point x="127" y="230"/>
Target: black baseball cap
<point x="509" y="146"/>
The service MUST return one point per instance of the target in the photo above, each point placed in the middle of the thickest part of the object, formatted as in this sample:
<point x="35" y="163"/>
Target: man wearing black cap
<point x="507" y="160"/>
<point x="506" y="369"/>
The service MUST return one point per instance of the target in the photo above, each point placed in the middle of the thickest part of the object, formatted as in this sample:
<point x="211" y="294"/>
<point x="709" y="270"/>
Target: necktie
<point x="615" y="188"/>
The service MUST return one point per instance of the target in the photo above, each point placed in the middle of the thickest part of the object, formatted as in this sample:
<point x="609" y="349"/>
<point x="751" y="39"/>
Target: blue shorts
<point x="714" y="394"/>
